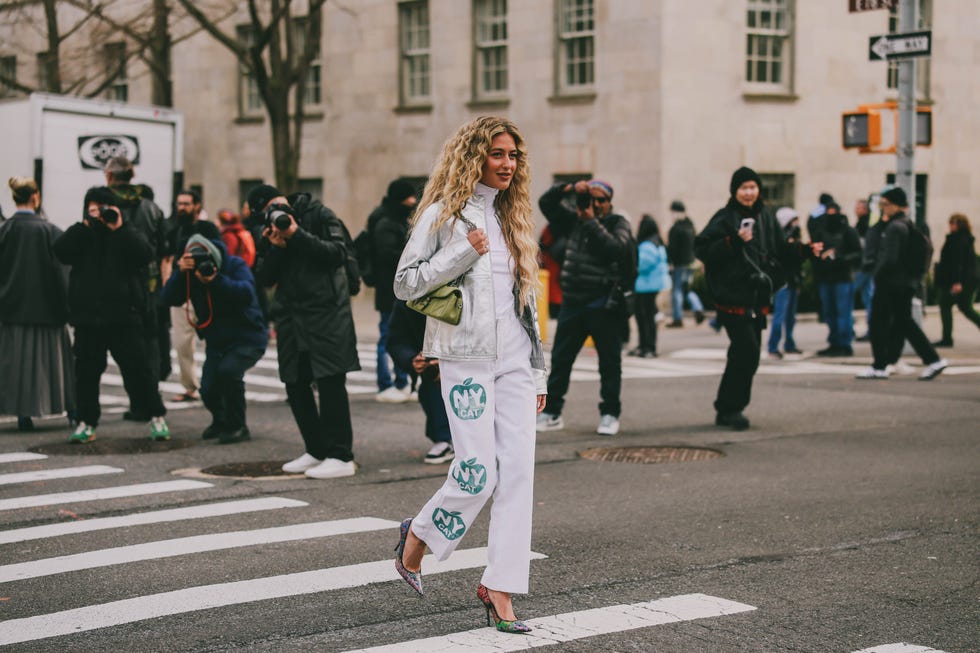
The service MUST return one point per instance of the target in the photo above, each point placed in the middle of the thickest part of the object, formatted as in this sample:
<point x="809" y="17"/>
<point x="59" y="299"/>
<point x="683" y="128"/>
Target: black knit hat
<point x="741" y="176"/>
<point x="677" y="205"/>
<point x="399" y="190"/>
<point x="260" y="196"/>
<point x="896" y="196"/>
<point x="101" y="195"/>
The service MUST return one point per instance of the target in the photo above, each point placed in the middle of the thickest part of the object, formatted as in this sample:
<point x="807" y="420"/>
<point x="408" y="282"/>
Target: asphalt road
<point x="844" y="520"/>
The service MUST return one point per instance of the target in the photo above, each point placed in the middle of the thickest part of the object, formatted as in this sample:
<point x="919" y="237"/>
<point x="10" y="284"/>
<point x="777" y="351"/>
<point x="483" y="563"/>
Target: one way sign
<point x="900" y="46"/>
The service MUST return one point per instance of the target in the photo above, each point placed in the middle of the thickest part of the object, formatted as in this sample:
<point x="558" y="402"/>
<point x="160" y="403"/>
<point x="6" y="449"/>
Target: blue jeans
<point x="680" y="278"/>
<point x="837" y="300"/>
<point x="864" y="284"/>
<point x="783" y="315"/>
<point x="384" y="372"/>
<point x="436" y="419"/>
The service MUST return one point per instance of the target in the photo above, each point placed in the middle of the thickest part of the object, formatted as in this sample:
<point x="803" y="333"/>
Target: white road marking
<point x="152" y="517"/>
<point x="205" y="597"/>
<point x="100" y="493"/>
<point x="187" y="545"/>
<point x="61" y="472"/>
<point x="20" y="456"/>
<point x="899" y="648"/>
<point x="548" y="631"/>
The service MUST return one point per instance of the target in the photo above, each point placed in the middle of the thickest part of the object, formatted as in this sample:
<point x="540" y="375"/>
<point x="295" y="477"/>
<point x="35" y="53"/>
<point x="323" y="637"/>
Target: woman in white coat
<point x="474" y="223"/>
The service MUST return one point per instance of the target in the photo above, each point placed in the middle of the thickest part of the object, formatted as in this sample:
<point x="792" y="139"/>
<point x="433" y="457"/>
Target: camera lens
<point x="206" y="268"/>
<point x="281" y="221"/>
<point x="108" y="215"/>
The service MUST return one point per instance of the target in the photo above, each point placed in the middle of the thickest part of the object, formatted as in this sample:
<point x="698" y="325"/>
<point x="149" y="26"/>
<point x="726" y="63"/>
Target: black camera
<point x="583" y="201"/>
<point x="203" y="262"/>
<point x="278" y="216"/>
<point x="108" y="215"/>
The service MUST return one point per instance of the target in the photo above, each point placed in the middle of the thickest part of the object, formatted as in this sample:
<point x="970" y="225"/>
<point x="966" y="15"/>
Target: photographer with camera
<point x="107" y="305"/>
<point x="598" y="271"/>
<point x="221" y="290"/>
<point x="306" y="260"/>
<point x="743" y="250"/>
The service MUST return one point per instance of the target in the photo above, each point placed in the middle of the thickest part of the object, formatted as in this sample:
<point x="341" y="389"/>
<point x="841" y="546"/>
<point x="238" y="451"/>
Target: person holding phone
<point x="743" y="250"/>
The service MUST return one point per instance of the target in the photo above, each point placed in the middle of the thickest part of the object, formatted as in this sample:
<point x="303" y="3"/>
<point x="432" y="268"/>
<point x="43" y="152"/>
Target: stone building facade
<point x="664" y="99"/>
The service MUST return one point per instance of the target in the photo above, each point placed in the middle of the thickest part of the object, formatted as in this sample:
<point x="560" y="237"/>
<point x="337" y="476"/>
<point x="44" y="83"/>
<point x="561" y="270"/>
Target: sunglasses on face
<point x="600" y="200"/>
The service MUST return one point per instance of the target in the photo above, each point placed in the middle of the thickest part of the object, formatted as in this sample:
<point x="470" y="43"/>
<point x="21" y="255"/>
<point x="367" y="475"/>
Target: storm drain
<point x="650" y="455"/>
<point x="111" y="447"/>
<point x="258" y="469"/>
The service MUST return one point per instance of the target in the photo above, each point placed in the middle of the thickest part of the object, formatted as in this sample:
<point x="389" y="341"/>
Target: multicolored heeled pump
<point x="516" y="626"/>
<point x="413" y="578"/>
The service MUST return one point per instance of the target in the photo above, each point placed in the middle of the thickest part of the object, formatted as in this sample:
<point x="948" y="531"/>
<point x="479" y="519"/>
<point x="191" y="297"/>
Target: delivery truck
<point x="63" y="143"/>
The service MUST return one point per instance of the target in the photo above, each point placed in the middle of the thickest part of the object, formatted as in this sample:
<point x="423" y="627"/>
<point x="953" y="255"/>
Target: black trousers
<point x="327" y="433"/>
<point x="163" y="341"/>
<point x="963" y="301"/>
<point x="223" y="383"/>
<point x="574" y="326"/>
<point x="892" y="324"/>
<point x="646" y="320"/>
<point x="744" y="347"/>
<point x="128" y="346"/>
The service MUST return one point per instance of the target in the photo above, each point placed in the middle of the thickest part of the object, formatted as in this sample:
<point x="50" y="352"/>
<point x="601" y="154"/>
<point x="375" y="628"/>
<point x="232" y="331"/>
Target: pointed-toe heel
<point x="516" y="627"/>
<point x="413" y="578"/>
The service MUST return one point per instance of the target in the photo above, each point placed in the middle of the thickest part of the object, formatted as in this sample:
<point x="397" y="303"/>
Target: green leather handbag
<point x="445" y="303"/>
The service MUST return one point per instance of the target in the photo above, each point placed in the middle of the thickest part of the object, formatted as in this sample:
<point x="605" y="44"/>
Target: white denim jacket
<point x="431" y="259"/>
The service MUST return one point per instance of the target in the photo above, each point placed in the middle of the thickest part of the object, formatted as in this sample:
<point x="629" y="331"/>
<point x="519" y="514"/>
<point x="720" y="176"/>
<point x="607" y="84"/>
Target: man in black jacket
<point x="107" y="305"/>
<point x="680" y="254"/>
<point x="315" y="328"/>
<point x="388" y="228"/>
<point x="836" y="255"/>
<point x="599" y="252"/>
<point x="895" y="285"/>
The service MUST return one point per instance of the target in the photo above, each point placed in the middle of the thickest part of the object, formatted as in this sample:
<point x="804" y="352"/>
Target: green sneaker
<point x="83" y="433"/>
<point x="159" y="430"/>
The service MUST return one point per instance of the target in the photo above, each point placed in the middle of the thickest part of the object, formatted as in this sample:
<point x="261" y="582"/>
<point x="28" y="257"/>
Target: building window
<point x="312" y="88"/>
<point x="249" y="99"/>
<point x="923" y="22"/>
<point x="778" y="189"/>
<point x="769" y="45"/>
<point x="313" y="186"/>
<point x="576" y="45"/>
<point x="490" y="48"/>
<point x="8" y="75"/>
<point x="43" y="79"/>
<point x="413" y="38"/>
<point x="115" y="71"/>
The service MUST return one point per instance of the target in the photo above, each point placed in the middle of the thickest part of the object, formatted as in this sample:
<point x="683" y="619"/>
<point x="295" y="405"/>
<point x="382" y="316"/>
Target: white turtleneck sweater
<point x="502" y="265"/>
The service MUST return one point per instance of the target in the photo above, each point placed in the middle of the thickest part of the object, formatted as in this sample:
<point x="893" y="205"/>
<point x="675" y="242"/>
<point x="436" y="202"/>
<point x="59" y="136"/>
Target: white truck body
<point x="63" y="142"/>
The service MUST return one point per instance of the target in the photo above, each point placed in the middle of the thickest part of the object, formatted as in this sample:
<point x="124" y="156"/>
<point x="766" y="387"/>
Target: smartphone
<point x="747" y="223"/>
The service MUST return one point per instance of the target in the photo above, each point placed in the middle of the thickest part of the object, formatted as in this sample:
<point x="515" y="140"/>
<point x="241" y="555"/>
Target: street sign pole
<point x="905" y="163"/>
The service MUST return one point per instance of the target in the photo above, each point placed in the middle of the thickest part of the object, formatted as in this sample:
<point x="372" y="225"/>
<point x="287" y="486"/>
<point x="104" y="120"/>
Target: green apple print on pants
<point x="450" y="524"/>
<point x="471" y="476"/>
<point x="468" y="400"/>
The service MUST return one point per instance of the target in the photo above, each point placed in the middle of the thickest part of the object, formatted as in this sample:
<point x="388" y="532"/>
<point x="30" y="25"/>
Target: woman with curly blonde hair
<point x="474" y="225"/>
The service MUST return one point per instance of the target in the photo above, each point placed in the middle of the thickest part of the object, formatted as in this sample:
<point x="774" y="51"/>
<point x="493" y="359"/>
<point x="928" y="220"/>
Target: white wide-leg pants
<point x="491" y="408"/>
<point x="184" y="337"/>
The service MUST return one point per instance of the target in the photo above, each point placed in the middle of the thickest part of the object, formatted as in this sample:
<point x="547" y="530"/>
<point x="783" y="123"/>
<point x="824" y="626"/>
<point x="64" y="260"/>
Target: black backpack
<point x="918" y="252"/>
<point x="364" y="252"/>
<point x="351" y="266"/>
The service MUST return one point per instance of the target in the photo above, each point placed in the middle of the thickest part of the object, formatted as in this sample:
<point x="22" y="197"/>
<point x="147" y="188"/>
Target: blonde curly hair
<point x="453" y="181"/>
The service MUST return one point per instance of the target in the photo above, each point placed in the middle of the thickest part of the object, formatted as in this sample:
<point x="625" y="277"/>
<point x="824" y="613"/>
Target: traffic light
<point x="862" y="128"/>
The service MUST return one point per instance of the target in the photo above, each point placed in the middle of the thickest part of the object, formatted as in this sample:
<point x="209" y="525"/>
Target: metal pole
<point x="905" y="161"/>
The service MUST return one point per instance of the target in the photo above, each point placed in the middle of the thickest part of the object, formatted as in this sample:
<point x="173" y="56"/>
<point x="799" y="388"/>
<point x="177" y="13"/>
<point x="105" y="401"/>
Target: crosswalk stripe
<point x="899" y="648"/>
<point x="61" y="472"/>
<point x="204" y="597"/>
<point x="151" y="517"/>
<point x="101" y="493"/>
<point x="20" y="456"/>
<point x="548" y="631"/>
<point x="187" y="545"/>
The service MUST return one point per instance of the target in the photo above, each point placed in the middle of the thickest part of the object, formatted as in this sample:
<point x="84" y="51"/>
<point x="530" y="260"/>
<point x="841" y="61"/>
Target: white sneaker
<point x="332" y="468"/>
<point x="549" y="422"/>
<point x="413" y="396"/>
<point x="393" y="395"/>
<point x="441" y="452"/>
<point x="901" y="367"/>
<point x="872" y="373"/>
<point x="608" y="425"/>
<point x="301" y="464"/>
<point x="933" y="370"/>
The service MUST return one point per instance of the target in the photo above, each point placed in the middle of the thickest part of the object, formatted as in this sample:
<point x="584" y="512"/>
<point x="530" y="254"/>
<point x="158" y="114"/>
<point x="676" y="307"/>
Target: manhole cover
<point x="249" y="470"/>
<point x="650" y="455"/>
<point x="108" y="447"/>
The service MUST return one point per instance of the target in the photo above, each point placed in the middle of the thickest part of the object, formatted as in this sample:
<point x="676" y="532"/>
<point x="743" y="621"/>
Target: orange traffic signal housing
<point x="862" y="129"/>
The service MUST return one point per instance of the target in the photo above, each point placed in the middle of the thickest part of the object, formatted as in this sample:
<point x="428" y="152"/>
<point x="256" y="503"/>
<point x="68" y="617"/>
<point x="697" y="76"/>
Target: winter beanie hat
<point x="400" y="190"/>
<point x="741" y="176"/>
<point x="603" y="186"/>
<point x="199" y="241"/>
<point x="259" y="196"/>
<point x="785" y="215"/>
<point x="896" y="196"/>
<point x="678" y="206"/>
